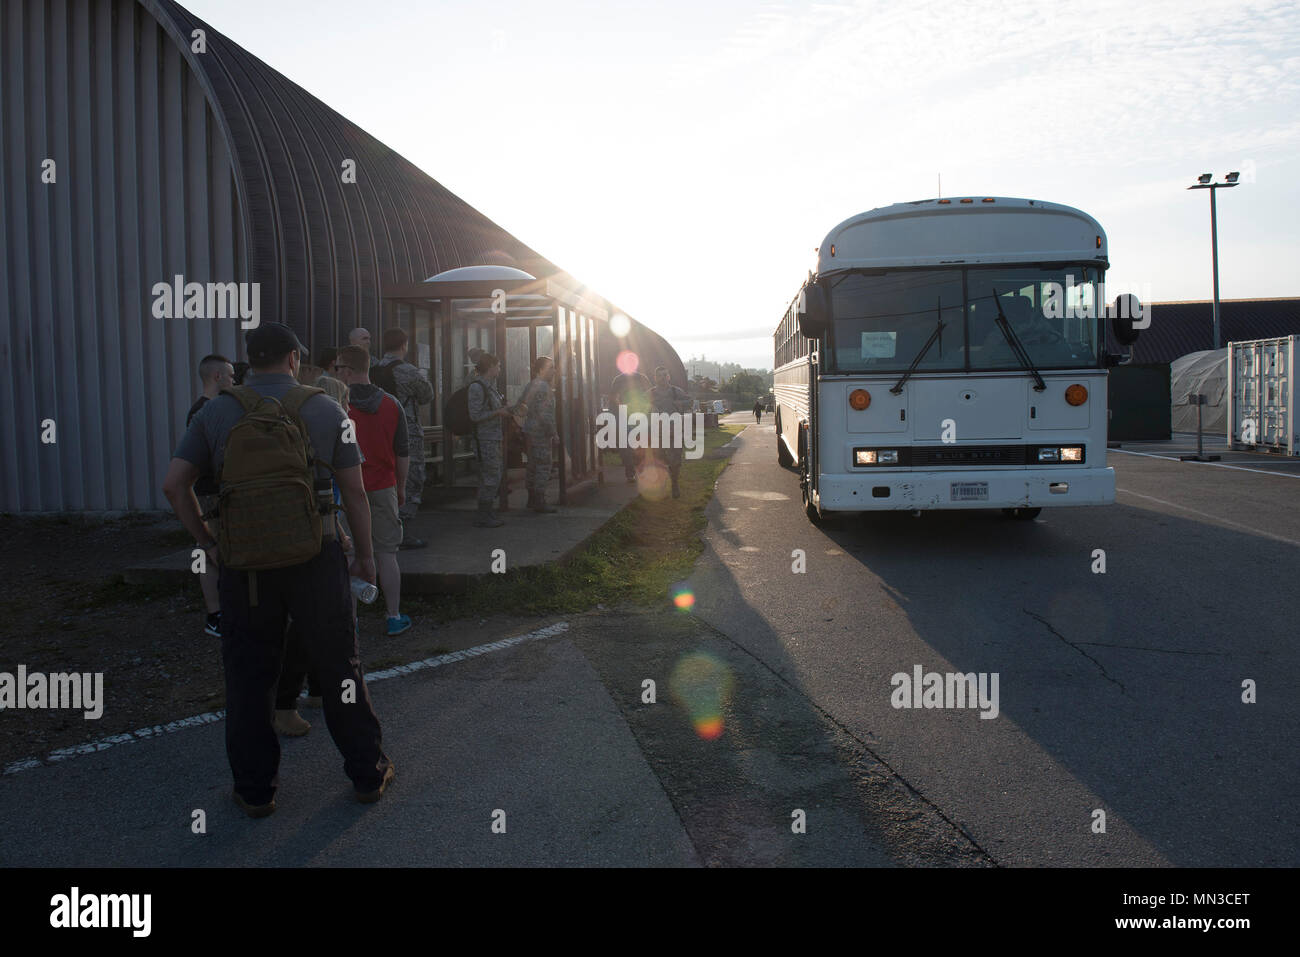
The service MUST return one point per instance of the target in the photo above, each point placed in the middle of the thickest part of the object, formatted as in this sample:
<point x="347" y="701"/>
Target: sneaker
<point x="213" y="627"/>
<point x="291" y="724"/>
<point x="254" y="810"/>
<point x="409" y="542"/>
<point x="370" y="797"/>
<point x="398" y="625"/>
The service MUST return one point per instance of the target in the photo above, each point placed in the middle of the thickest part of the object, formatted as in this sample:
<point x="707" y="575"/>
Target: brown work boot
<point x="291" y="723"/>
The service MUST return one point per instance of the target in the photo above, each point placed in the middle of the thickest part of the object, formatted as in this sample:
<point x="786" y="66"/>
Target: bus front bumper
<point x="1006" y="488"/>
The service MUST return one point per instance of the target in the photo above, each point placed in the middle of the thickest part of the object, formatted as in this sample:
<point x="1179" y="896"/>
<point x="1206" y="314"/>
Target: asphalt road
<point x="1119" y="692"/>
<point x="771" y="738"/>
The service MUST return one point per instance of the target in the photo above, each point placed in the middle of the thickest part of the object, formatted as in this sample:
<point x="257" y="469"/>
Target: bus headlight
<point x="887" y="456"/>
<point x="1064" y="453"/>
<point x="864" y="456"/>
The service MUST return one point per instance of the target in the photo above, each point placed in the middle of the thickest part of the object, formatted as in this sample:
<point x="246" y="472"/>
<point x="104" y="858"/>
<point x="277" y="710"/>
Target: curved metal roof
<point x="321" y="248"/>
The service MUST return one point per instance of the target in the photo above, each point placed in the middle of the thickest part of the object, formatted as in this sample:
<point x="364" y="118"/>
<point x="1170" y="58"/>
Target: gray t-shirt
<point x="204" y="442"/>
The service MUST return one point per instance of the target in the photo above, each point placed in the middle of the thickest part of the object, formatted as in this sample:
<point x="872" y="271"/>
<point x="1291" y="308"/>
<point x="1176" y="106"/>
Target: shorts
<point x="385" y="525"/>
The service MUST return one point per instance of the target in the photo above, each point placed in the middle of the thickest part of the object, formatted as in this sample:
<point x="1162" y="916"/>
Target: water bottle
<point x="364" y="591"/>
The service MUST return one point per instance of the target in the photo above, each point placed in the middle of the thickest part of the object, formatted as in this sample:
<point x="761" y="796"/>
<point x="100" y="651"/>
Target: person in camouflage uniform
<point x="631" y="389"/>
<point x="666" y="397"/>
<point x="538" y="404"/>
<point x="486" y="410"/>
<point x="412" y="390"/>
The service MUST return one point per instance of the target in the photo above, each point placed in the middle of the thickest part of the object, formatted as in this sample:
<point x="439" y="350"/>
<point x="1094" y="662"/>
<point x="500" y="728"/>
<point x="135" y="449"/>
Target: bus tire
<point x="805" y="491"/>
<point x="1023" y="514"/>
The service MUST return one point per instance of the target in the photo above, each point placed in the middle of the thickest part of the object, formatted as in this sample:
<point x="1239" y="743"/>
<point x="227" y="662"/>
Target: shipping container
<point x="1262" y="400"/>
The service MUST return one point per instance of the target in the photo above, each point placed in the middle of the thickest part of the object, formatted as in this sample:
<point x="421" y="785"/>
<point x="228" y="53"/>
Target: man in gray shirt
<point x="316" y="593"/>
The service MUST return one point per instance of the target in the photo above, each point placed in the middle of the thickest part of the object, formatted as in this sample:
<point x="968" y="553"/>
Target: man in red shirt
<point x="381" y="434"/>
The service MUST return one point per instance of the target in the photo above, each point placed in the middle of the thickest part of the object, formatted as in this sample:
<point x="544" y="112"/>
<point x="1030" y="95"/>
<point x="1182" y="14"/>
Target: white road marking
<point x="210" y="717"/>
<point x="1216" y="518"/>
<point x="1238" y="468"/>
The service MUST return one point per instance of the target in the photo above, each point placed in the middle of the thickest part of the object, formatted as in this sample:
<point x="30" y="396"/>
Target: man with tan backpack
<point x="273" y="444"/>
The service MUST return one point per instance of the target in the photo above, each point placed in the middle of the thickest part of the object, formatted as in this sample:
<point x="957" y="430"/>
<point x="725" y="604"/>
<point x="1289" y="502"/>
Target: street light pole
<point x="1204" y="182"/>
<point x="1214" y="260"/>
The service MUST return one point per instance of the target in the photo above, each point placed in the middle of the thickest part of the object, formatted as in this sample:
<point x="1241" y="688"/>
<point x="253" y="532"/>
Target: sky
<point x="684" y="159"/>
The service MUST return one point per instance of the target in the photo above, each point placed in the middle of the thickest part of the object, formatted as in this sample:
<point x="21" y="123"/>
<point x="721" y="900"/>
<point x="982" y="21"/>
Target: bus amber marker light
<point x="859" y="399"/>
<point x="1076" y="394"/>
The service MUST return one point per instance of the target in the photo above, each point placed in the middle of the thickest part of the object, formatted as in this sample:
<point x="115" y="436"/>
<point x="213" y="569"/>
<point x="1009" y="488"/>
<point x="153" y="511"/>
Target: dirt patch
<point x="65" y="608"/>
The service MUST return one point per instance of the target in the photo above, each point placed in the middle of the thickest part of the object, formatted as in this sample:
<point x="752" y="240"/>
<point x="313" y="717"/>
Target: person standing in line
<point x="256" y="605"/>
<point x="538" y="405"/>
<point x="631" y="390"/>
<point x="381" y="434"/>
<point x="287" y="719"/>
<point x="360" y="336"/>
<point x="668" y="398"/>
<point x="216" y="372"/>
<point x="400" y="378"/>
<point x="758" y="411"/>
<point x="486" y="410"/>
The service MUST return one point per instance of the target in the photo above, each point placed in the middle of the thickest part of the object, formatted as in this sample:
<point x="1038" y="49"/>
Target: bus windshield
<point x="882" y="321"/>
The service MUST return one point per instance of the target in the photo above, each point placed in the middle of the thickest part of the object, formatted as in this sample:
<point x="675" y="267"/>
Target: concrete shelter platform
<point x="456" y="550"/>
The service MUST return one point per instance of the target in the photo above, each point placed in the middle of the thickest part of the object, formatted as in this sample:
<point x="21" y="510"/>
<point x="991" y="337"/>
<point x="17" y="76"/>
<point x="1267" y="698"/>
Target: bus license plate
<point x="970" y="492"/>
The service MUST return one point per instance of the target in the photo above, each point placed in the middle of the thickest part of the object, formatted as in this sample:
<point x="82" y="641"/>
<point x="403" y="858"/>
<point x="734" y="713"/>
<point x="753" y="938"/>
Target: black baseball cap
<point x="270" y="342"/>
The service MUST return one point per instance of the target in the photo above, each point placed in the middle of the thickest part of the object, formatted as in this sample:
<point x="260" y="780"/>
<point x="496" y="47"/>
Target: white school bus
<point x="950" y="353"/>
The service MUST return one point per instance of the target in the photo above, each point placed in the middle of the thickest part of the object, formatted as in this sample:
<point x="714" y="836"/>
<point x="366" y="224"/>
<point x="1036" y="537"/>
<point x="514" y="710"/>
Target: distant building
<point x="1178" y="328"/>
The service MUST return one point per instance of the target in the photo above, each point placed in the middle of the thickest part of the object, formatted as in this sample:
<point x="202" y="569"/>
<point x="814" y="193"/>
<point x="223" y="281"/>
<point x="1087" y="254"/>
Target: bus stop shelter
<point x="517" y="317"/>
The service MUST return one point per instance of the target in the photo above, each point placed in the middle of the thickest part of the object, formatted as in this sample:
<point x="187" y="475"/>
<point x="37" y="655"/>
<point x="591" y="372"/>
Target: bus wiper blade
<point x="938" y="331"/>
<point x="1016" y="345"/>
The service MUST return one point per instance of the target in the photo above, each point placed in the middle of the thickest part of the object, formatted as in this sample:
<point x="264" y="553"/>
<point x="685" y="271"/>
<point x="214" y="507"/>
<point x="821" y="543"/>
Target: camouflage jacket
<point x="539" y="398"/>
<point x="413" y="389"/>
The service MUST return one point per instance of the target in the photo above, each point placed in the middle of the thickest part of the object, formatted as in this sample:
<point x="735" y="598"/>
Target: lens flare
<point x="654" y="482"/>
<point x="701" y="684"/>
<point x="620" y="325"/>
<point x="683" y="598"/>
<point x="627" y="362"/>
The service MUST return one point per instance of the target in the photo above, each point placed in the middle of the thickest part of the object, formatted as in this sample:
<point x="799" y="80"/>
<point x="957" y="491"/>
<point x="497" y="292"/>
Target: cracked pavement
<point x="1120" y="691"/>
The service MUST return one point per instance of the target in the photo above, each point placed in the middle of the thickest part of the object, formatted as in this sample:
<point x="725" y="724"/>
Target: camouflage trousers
<point x="671" y="459"/>
<point x="491" y="470"/>
<point x="537" y="472"/>
<point x="415" y="474"/>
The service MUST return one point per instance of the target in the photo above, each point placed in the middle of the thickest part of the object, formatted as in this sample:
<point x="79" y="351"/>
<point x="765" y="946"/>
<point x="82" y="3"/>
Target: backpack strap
<point x="296" y="396"/>
<point x="248" y="397"/>
<point x="292" y="404"/>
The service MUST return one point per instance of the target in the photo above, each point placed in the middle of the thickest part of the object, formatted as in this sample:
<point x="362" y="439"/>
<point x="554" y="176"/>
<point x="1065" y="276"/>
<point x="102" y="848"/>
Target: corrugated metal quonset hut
<point x="138" y="145"/>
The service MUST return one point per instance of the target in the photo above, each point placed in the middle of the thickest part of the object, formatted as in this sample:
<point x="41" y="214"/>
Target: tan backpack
<point x="269" y="515"/>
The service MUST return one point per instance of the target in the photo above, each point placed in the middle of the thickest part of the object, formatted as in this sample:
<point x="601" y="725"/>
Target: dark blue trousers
<point x="316" y="594"/>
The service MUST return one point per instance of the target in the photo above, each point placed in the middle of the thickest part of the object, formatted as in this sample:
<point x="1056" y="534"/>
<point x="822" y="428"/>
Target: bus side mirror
<point x="1127" y="318"/>
<point x="814" y="309"/>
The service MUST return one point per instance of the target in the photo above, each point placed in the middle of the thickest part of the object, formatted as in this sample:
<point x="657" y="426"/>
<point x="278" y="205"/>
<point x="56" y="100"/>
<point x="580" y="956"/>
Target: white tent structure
<point x="1205" y="373"/>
